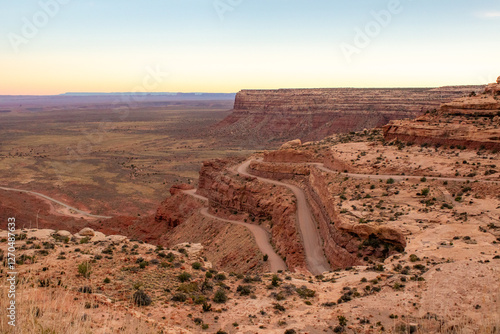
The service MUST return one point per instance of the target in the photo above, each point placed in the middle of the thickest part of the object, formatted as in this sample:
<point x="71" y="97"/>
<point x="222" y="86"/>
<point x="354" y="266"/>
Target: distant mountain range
<point x="36" y="103"/>
<point x="176" y="96"/>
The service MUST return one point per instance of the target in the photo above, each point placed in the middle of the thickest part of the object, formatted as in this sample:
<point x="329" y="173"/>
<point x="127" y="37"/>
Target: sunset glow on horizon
<point x="55" y="46"/>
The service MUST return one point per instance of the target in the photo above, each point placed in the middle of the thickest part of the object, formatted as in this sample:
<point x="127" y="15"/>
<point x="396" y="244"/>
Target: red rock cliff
<point x="263" y="116"/>
<point x="472" y="122"/>
<point x="263" y="202"/>
<point x="341" y="239"/>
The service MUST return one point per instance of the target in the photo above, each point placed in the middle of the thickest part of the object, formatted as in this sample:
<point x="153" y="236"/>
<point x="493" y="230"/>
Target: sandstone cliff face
<point x="289" y="155"/>
<point x="228" y="247"/>
<point x="263" y="202"/>
<point x="312" y="114"/>
<point x="176" y="209"/>
<point x="472" y="122"/>
<point x="278" y="171"/>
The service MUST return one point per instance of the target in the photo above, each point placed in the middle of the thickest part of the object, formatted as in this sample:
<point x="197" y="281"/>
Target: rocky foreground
<point x="92" y="283"/>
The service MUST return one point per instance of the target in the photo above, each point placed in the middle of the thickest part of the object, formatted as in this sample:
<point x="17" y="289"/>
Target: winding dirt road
<point x="398" y="177"/>
<point x="45" y="197"/>
<point x="315" y="257"/>
<point x="262" y="237"/>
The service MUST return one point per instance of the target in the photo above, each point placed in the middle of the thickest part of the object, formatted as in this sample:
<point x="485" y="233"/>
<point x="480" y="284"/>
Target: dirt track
<point x="47" y="198"/>
<point x="398" y="177"/>
<point x="315" y="257"/>
<point x="261" y="235"/>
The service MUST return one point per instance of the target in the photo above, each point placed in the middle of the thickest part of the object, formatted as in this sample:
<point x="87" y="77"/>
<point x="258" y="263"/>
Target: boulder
<point x="87" y="232"/>
<point x="291" y="144"/>
<point x="177" y="188"/>
<point x="63" y="233"/>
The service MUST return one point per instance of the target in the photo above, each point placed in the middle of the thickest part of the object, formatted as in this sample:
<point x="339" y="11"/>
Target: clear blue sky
<point x="228" y="45"/>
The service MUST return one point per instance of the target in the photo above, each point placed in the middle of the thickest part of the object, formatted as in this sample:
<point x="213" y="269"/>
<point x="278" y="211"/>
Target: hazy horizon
<point x="79" y="94"/>
<point x="49" y="47"/>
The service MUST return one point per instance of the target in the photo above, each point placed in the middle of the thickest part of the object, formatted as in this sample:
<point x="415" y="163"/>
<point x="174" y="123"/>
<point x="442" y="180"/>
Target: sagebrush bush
<point x="220" y="296"/>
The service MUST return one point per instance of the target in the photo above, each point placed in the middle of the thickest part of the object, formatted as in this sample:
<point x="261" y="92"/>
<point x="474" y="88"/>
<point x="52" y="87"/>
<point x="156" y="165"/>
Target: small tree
<point x="275" y="280"/>
<point x="220" y="296"/>
<point x="84" y="269"/>
<point x="184" y="277"/>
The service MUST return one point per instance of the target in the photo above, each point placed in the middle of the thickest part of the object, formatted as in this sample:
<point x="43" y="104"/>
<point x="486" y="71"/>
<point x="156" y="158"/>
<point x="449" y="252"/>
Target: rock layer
<point x="262" y="116"/>
<point x="341" y="239"/>
<point x="264" y="203"/>
<point x="472" y="122"/>
<point x="176" y="209"/>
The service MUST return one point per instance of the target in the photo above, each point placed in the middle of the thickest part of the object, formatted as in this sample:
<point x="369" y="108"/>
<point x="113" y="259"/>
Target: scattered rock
<point x="116" y="238"/>
<point x="87" y="232"/>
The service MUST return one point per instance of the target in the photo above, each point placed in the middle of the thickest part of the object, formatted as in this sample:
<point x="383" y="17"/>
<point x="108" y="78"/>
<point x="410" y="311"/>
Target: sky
<point x="58" y="46"/>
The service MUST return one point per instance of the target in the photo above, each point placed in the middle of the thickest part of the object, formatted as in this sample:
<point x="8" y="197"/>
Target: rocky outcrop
<point x="278" y="171"/>
<point x="174" y="210"/>
<point x="228" y="247"/>
<point x="291" y="144"/>
<point x="289" y="155"/>
<point x="178" y="188"/>
<point x="472" y="122"/>
<point x="264" y="203"/>
<point x="264" y="116"/>
<point x="87" y="232"/>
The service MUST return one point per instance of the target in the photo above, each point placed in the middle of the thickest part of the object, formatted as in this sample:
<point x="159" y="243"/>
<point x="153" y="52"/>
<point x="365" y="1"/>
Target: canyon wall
<point x="272" y="116"/>
<point x="343" y="242"/>
<point x="175" y="210"/>
<point x="229" y="247"/>
<point x="263" y="202"/>
<point x="472" y="122"/>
